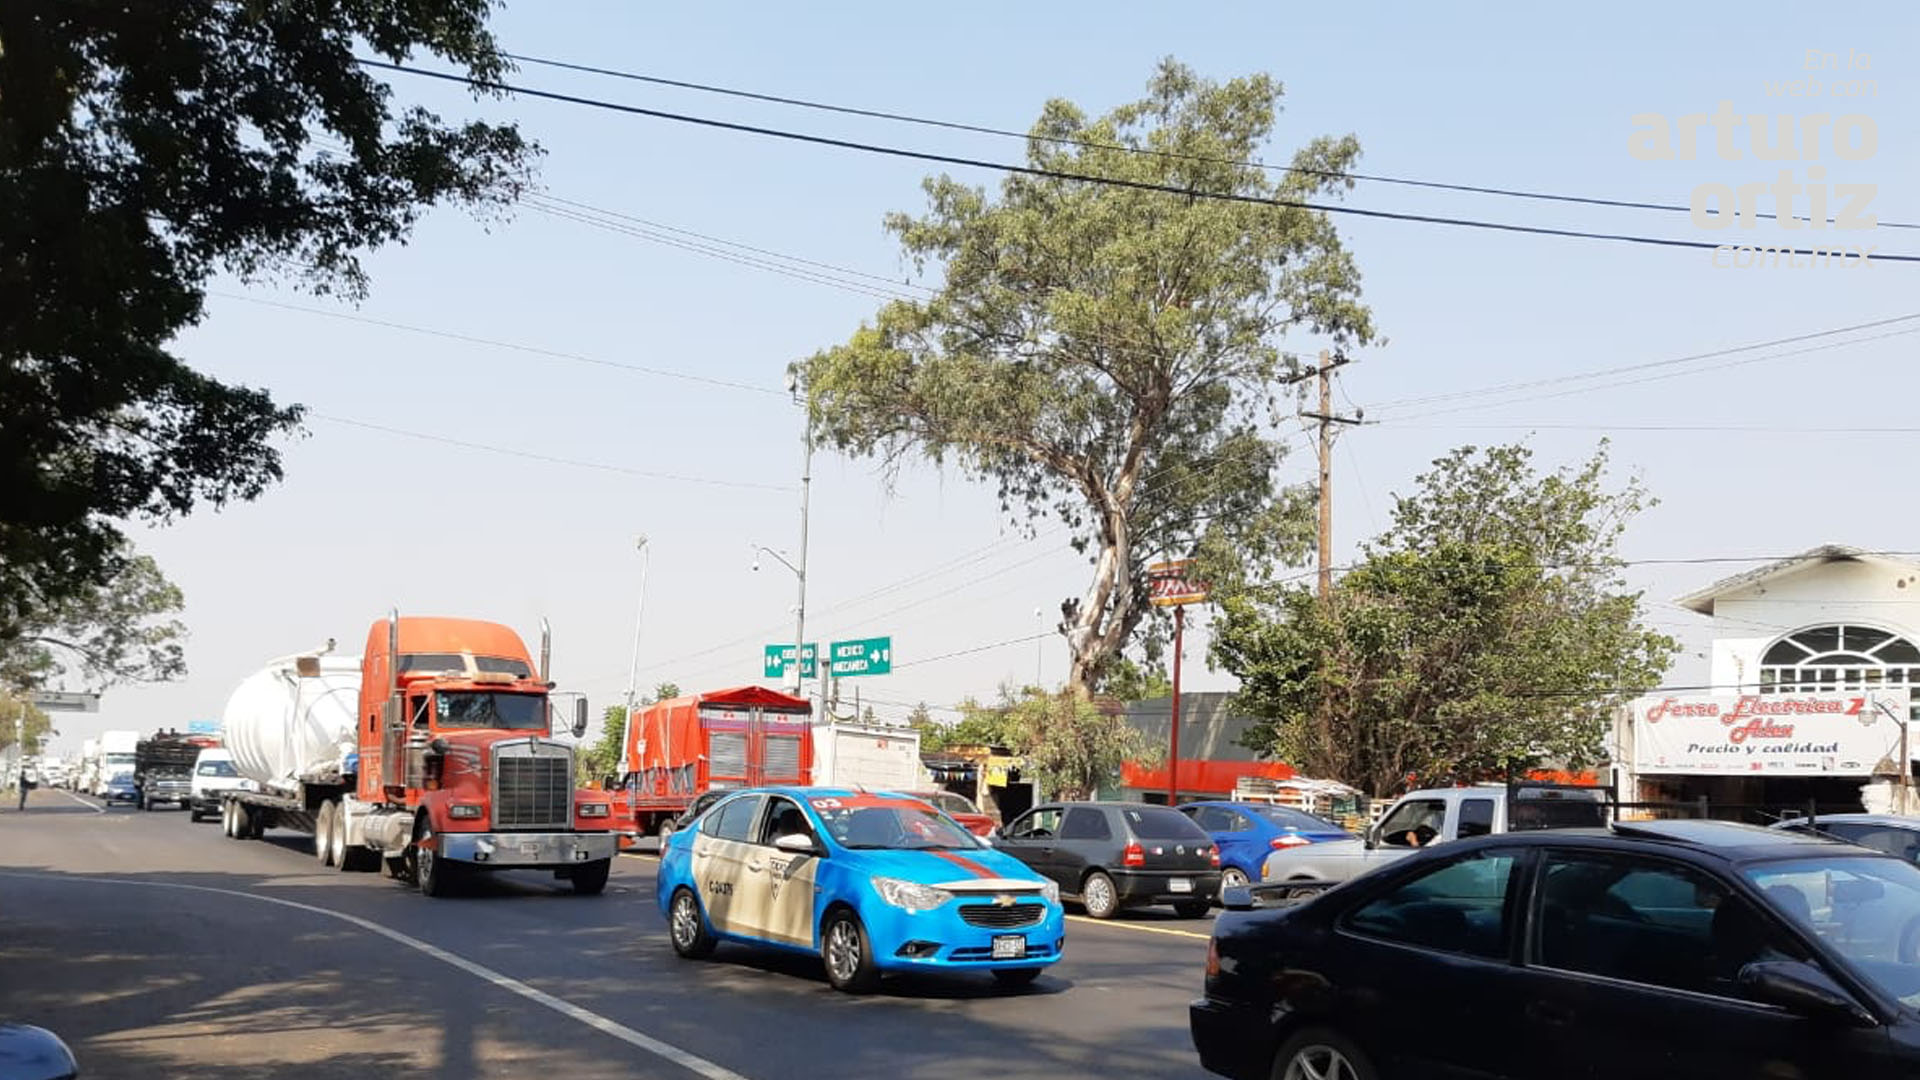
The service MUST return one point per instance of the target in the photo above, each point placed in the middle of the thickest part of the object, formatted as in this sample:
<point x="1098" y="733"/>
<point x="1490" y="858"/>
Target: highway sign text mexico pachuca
<point x="777" y="658"/>
<point x="868" y="656"/>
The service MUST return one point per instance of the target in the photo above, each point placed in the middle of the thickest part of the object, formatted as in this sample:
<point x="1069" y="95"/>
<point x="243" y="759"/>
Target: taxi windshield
<point x="895" y="824"/>
<point x="1866" y="909"/>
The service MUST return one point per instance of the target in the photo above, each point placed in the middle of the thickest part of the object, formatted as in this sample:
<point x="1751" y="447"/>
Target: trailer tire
<point x="590" y="879"/>
<point x="323" y="832"/>
<point x="226" y="818"/>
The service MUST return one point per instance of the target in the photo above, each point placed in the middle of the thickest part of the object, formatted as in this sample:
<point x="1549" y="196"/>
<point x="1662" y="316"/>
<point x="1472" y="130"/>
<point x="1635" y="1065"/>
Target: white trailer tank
<point x="280" y="725"/>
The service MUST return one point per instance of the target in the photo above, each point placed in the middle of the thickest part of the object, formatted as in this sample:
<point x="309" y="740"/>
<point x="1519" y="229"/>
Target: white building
<point x="1814" y="690"/>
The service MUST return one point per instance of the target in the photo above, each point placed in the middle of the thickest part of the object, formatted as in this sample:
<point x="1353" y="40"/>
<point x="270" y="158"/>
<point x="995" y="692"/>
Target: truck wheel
<point x="590" y="879"/>
<point x="323" y="833"/>
<point x="848" y="954"/>
<point x="687" y="926"/>
<point x="226" y="819"/>
<point x="242" y="822"/>
<point x="666" y="834"/>
<point x="434" y="875"/>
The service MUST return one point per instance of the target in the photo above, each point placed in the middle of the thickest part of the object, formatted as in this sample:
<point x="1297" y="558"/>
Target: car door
<point x="1423" y="966"/>
<point x="719" y="861"/>
<point x="777" y="890"/>
<point x="1031" y="838"/>
<point x="1647" y="951"/>
<point x="1243" y="843"/>
<point x="1086" y="842"/>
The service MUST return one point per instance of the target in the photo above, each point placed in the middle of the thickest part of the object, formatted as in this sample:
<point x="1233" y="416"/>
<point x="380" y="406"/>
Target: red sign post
<point x="1172" y="586"/>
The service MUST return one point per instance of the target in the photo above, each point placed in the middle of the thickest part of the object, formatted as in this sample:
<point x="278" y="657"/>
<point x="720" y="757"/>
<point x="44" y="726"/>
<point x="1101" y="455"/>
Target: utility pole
<point x="1326" y="418"/>
<point x="800" y="571"/>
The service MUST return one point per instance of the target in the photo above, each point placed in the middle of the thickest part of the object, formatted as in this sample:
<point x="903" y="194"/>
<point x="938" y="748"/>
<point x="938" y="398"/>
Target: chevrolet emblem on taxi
<point x="1003" y="900"/>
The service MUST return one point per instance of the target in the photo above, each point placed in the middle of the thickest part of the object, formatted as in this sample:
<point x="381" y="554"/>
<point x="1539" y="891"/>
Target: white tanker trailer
<point x="290" y="729"/>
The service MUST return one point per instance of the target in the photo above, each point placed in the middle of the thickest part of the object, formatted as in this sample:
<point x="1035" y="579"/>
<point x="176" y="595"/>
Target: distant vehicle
<point x="163" y="770"/>
<point x="959" y="808"/>
<point x="1113" y="855"/>
<point x="1421" y="819"/>
<point x="1247" y="832"/>
<point x="684" y="747"/>
<point x="1581" y="952"/>
<point x="213" y="777"/>
<point x="117" y="750"/>
<point x="454" y="769"/>
<point x="85" y="779"/>
<point x="699" y="806"/>
<point x="871" y="757"/>
<point x="121" y="788"/>
<point x="872" y="883"/>
<point x="1890" y="833"/>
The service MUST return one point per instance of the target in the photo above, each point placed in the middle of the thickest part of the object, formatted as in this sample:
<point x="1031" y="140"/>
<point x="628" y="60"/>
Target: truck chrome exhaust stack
<point x="546" y="652"/>
<point x="393" y="650"/>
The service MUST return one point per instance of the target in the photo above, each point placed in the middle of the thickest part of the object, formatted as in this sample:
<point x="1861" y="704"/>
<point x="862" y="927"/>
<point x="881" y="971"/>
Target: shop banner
<point x="1843" y="733"/>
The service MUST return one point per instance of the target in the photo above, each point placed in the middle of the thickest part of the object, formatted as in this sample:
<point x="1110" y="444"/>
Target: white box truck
<point x="871" y="756"/>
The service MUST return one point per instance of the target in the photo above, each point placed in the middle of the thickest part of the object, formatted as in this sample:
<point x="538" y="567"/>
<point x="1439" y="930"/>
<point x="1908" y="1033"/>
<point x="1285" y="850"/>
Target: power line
<point x="1086" y="144"/>
<point x="1055" y="174"/>
<point x="1766" y="429"/>
<point x="536" y="350"/>
<point x="976" y="649"/>
<point x="548" y="458"/>
<point x="1623" y="369"/>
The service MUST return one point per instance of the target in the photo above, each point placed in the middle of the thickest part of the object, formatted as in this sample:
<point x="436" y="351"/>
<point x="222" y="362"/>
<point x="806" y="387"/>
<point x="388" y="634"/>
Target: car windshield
<point x="1288" y="818"/>
<point x="119" y="759"/>
<point x="951" y="803"/>
<point x="1866" y="909"/>
<point x="216" y="768"/>
<point x="894" y="824"/>
<point x="474" y="709"/>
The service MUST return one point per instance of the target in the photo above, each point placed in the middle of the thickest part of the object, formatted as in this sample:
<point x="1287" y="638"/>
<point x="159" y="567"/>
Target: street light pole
<point x="1039" y="646"/>
<point x="633" y="669"/>
<point x="800" y="571"/>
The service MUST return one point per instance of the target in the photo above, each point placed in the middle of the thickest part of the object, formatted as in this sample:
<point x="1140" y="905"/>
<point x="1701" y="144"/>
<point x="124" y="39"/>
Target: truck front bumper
<point x="528" y="849"/>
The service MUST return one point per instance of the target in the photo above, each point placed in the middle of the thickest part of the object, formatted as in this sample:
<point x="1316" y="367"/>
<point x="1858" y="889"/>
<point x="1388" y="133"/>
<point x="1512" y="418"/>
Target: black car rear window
<point x="1158" y="823"/>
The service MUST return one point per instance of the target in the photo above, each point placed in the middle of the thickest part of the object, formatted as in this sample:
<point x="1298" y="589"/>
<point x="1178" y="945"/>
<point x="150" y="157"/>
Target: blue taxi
<point x="871" y="882"/>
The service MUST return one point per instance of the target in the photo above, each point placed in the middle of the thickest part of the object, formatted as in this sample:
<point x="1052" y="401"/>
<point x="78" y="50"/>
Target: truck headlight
<point x="465" y="812"/>
<point x="592" y="809"/>
<point x="909" y="896"/>
<point x="1050" y="891"/>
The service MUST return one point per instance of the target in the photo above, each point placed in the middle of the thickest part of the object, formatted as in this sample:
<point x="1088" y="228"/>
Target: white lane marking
<point x="1136" y="926"/>
<point x="82" y="802"/>
<point x="691" y="1062"/>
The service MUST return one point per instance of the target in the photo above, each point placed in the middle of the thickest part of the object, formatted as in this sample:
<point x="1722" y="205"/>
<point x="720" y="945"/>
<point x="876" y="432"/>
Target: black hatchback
<point x="1653" y="950"/>
<point x="1111" y="855"/>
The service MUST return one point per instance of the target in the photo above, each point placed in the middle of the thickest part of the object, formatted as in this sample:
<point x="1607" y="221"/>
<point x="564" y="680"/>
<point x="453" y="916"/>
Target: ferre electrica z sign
<point x="1845" y="733"/>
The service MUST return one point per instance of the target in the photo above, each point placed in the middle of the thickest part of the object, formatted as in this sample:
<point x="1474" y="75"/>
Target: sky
<point x="1751" y="455"/>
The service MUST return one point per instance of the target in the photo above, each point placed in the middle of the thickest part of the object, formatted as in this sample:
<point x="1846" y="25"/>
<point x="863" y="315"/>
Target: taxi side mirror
<point x="796" y="844"/>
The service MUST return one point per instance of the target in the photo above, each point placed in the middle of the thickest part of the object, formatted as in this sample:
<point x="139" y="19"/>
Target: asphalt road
<point x="159" y="948"/>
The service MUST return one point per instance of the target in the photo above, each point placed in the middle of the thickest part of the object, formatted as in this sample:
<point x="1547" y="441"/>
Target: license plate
<point x="529" y="849"/>
<point x="1009" y="946"/>
<point x="1181" y="884"/>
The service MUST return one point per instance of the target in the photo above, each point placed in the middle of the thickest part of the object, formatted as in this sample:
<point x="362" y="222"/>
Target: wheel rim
<point x="423" y="857"/>
<point x="1099" y="894"/>
<point x="843" y="951"/>
<point x="1232" y="879"/>
<point x="337" y="840"/>
<point x="686" y="921"/>
<point x="1320" y="1063"/>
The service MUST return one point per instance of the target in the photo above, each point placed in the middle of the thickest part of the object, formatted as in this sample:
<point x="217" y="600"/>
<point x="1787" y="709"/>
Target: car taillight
<point x="1213" y="855"/>
<point x="1287" y="840"/>
<point x="1135" y="856"/>
<point x="1213" y="958"/>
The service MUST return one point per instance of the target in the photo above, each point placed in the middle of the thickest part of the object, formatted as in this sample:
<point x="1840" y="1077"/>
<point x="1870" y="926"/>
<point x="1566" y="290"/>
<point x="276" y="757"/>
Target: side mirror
<point x="32" y="1053"/>
<point x="579" y="718"/>
<point x="1372" y="836"/>
<point x="1238" y="898"/>
<point x="1804" y="990"/>
<point x="797" y="844"/>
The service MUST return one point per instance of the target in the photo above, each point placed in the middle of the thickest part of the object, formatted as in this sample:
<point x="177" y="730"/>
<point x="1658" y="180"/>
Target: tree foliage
<point x="1072" y="744"/>
<point x="1107" y="355"/>
<point x="145" y="146"/>
<point x="1489" y="627"/>
<point x="123" y="630"/>
<point x="38" y="725"/>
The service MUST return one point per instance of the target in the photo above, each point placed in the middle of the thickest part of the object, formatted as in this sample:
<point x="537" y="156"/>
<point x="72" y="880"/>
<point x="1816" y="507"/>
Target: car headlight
<point x="464" y="812"/>
<point x="909" y="896"/>
<point x="593" y="809"/>
<point x="1050" y="891"/>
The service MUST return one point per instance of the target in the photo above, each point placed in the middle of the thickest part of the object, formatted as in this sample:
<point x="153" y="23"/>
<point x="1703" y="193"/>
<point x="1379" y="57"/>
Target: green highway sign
<point x="868" y="656"/>
<point x="778" y="658"/>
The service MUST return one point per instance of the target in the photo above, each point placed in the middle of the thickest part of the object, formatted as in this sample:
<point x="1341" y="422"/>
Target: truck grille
<point x="1002" y="918"/>
<point x="532" y="786"/>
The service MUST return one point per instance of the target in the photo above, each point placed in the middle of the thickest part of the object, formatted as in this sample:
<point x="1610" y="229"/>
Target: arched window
<point x="1840" y="657"/>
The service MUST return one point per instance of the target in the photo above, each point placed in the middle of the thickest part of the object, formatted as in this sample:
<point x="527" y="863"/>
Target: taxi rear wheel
<point x="848" y="954"/>
<point x="687" y="926"/>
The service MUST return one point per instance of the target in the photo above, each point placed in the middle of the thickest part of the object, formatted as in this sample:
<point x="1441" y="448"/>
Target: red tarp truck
<point x="680" y="748"/>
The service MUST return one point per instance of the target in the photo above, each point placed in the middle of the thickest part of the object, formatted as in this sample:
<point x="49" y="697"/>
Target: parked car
<point x="871" y="883"/>
<point x="1113" y="855"/>
<point x="120" y="788"/>
<point x="213" y="775"/>
<point x="959" y="808"/>
<point x="1421" y="819"/>
<point x="1246" y="833"/>
<point x="1897" y="836"/>
<point x="1583" y="952"/>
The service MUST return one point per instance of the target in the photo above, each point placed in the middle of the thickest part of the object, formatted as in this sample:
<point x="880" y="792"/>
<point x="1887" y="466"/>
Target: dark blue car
<point x="1246" y="833"/>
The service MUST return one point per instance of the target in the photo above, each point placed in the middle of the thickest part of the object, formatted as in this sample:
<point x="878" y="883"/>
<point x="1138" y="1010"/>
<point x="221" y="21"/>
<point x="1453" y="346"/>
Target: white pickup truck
<point x="1421" y="819"/>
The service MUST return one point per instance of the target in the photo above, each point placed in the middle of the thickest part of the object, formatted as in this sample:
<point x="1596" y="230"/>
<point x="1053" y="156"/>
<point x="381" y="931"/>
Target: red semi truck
<point x="683" y="747"/>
